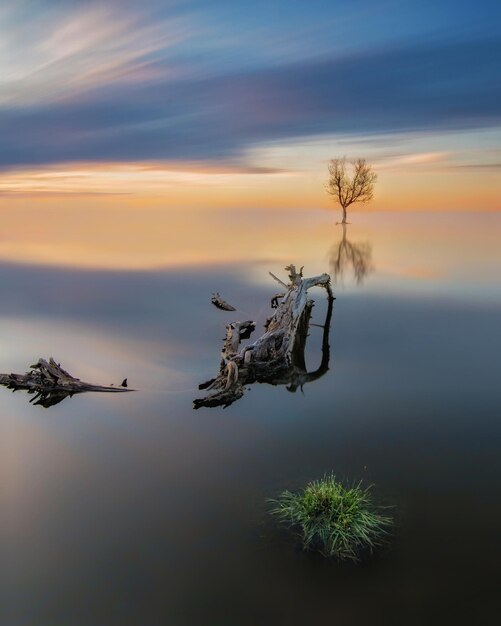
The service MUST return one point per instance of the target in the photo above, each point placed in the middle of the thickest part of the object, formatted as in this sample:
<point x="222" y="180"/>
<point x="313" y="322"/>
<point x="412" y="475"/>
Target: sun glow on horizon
<point x="426" y="181"/>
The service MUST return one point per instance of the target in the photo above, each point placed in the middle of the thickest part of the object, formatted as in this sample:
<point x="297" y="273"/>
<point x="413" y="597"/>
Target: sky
<point x="240" y="105"/>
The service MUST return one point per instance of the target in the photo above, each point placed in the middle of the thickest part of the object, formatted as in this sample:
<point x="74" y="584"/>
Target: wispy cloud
<point x="477" y="166"/>
<point x="83" y="179"/>
<point x="419" y="159"/>
<point x="54" y="55"/>
<point x="408" y="88"/>
<point x="242" y="103"/>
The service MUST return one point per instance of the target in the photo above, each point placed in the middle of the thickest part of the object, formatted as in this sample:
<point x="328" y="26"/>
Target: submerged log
<point x="277" y="357"/>
<point x="219" y="303"/>
<point x="49" y="383"/>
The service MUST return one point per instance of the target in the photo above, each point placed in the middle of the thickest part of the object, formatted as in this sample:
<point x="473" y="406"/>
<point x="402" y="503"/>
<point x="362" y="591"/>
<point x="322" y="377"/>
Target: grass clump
<point x="335" y="520"/>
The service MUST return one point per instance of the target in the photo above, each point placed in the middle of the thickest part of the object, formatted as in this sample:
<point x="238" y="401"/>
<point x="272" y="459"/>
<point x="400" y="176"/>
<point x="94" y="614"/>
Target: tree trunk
<point x="277" y="357"/>
<point x="344" y="215"/>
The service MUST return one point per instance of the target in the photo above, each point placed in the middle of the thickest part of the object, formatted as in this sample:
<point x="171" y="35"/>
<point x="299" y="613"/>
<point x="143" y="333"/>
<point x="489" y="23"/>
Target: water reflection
<point x="345" y="255"/>
<point x="47" y="399"/>
<point x="122" y="509"/>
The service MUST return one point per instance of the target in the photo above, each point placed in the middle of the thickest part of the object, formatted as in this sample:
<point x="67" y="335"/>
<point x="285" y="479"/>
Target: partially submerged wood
<point x="219" y="303"/>
<point x="49" y="383"/>
<point x="277" y="357"/>
<point x="275" y="299"/>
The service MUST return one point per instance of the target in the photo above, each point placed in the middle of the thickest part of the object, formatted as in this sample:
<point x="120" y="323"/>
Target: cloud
<point x="413" y="159"/>
<point x="60" y="54"/>
<point x="406" y="88"/>
<point x="122" y="178"/>
<point x="477" y="166"/>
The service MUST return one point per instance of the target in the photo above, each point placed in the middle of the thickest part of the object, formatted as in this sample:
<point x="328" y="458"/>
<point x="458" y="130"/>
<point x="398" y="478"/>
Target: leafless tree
<point x="346" y="189"/>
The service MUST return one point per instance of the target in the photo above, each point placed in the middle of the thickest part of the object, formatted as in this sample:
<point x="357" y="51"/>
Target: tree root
<point x="277" y="357"/>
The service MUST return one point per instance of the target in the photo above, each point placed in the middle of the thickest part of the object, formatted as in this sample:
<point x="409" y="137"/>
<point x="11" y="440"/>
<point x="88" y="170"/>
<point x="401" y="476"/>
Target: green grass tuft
<point x="334" y="520"/>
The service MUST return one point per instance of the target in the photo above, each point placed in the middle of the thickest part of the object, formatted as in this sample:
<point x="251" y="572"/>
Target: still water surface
<point x="136" y="509"/>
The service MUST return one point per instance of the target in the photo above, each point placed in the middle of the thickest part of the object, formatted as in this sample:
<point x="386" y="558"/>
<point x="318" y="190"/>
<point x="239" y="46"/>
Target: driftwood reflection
<point x="347" y="255"/>
<point x="277" y="357"/>
<point x="49" y="384"/>
<point x="297" y="375"/>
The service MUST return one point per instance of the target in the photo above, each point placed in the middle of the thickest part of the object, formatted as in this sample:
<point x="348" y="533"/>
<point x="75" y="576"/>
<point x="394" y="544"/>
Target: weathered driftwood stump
<point x="49" y="383"/>
<point x="277" y="357"/>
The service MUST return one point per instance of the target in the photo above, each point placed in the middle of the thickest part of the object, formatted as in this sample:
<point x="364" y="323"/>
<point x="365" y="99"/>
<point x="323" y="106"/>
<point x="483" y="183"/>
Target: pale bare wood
<point x="277" y="356"/>
<point x="280" y="282"/>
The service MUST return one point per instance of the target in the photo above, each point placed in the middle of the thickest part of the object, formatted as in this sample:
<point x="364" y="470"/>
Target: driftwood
<point x="219" y="303"/>
<point x="277" y="357"/>
<point x="49" y="383"/>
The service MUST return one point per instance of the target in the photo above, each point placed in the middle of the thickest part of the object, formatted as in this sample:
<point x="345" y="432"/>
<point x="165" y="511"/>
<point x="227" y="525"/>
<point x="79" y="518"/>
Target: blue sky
<point x="207" y="80"/>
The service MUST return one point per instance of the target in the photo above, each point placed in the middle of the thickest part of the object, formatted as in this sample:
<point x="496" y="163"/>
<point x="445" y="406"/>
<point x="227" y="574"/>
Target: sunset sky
<point x="239" y="105"/>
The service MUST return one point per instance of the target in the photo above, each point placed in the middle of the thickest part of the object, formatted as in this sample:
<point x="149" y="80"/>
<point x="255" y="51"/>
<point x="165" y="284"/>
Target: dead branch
<point x="49" y="383"/>
<point x="219" y="303"/>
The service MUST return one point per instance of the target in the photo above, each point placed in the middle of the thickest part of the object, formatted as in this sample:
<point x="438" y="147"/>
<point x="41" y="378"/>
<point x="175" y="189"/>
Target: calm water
<point x="136" y="509"/>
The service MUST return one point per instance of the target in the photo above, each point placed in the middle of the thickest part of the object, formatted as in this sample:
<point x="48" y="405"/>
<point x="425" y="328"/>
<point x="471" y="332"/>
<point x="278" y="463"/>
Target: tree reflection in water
<point x="346" y="255"/>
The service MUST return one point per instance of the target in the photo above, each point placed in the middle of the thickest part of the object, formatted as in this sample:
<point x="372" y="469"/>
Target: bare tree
<point x="348" y="190"/>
